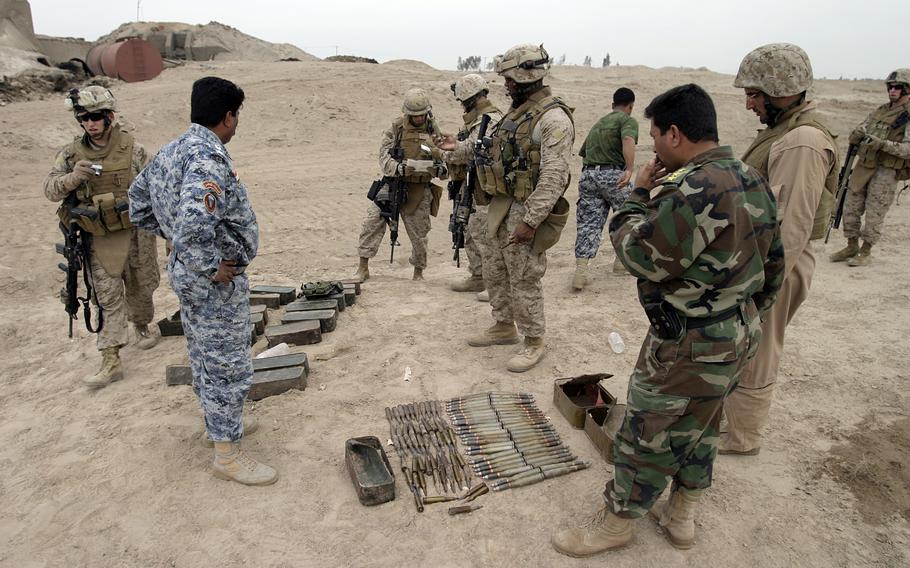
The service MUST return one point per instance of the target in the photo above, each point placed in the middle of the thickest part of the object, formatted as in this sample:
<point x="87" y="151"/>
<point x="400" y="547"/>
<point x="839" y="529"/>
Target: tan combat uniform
<point x="124" y="265"/>
<point x="873" y="183"/>
<point x="415" y="212"/>
<point x="476" y="242"/>
<point x="544" y="133"/>
<point x="799" y="158"/>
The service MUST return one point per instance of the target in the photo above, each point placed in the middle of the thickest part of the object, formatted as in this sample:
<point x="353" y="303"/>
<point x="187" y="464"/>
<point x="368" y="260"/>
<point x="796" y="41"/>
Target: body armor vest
<point x="106" y="195"/>
<point x="513" y="164"/>
<point x="888" y="124"/>
<point x="409" y="138"/>
<point x="459" y="172"/>
<point x="760" y="151"/>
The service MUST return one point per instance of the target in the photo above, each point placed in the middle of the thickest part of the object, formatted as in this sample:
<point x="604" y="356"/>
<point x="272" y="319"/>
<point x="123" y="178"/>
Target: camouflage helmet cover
<point x="416" y="102"/>
<point x="776" y="69"/>
<point x="468" y="86"/>
<point x="899" y="76"/>
<point x="525" y="63"/>
<point x="90" y="99"/>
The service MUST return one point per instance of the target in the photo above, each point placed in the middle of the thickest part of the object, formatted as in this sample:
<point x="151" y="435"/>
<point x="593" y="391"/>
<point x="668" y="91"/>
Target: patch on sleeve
<point x="210" y="202"/>
<point x="213" y="187"/>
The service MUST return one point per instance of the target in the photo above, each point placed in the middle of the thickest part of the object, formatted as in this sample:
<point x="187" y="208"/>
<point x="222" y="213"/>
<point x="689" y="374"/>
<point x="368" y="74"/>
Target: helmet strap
<point x="774" y="113"/>
<point x="524" y="90"/>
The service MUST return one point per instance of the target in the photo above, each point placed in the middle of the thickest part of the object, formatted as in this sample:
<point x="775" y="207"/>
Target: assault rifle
<point x="388" y="193"/>
<point x="77" y="250"/>
<point x="843" y="182"/>
<point x="463" y="205"/>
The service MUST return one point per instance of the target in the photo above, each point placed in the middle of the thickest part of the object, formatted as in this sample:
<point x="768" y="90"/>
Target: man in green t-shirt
<point x="609" y="154"/>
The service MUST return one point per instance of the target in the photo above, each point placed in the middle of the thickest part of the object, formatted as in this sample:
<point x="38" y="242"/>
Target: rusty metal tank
<point x="130" y="60"/>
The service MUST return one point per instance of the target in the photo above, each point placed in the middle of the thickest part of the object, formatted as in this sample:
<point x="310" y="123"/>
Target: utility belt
<point x="669" y="323"/>
<point x="106" y="214"/>
<point x="601" y="167"/>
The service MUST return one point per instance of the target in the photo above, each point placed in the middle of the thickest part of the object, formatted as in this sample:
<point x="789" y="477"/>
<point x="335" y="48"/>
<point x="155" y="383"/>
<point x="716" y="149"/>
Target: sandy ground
<point x="117" y="477"/>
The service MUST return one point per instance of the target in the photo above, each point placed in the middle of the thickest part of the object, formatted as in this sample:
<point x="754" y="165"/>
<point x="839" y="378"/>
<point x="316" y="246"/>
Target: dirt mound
<point x="351" y="59"/>
<point x="873" y="465"/>
<point x="212" y="41"/>
<point x="412" y="64"/>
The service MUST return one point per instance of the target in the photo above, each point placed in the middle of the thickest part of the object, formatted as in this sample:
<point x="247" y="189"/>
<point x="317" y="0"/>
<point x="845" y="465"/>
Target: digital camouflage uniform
<point x="190" y="195"/>
<point x="708" y="245"/>
<point x="476" y="241"/>
<point x="874" y="180"/>
<point x="415" y="212"/>
<point x="513" y="272"/>
<point x="598" y="192"/>
<point x="124" y="264"/>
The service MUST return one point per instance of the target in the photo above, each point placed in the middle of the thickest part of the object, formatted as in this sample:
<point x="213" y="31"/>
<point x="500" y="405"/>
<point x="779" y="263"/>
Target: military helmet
<point x="90" y="99"/>
<point x="776" y="69"/>
<point x="899" y="76"/>
<point x="416" y="102"/>
<point x="525" y="63"/>
<point x="468" y="86"/>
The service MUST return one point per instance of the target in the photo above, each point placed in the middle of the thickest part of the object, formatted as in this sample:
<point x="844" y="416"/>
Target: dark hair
<point x="688" y="107"/>
<point x="623" y="97"/>
<point x="212" y="99"/>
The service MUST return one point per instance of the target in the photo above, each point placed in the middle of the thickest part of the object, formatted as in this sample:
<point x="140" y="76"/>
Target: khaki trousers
<point x="747" y="407"/>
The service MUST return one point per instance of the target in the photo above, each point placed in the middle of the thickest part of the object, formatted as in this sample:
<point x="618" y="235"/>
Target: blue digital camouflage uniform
<point x="190" y="195"/>
<point x="708" y="246"/>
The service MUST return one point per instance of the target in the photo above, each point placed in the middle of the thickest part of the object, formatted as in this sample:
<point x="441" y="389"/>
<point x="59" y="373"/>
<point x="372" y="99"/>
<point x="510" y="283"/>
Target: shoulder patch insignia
<point x="210" y="202"/>
<point x="213" y="187"/>
<point x="678" y="175"/>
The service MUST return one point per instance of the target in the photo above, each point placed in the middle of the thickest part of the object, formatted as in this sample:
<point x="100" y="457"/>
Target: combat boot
<point x="483" y="296"/>
<point x="500" y="333"/>
<point x="145" y="339"/>
<point x="604" y="532"/>
<point x="363" y="271"/>
<point x="581" y="273"/>
<point x="863" y="257"/>
<point x="110" y="371"/>
<point x="677" y="517"/>
<point x="847" y="252"/>
<point x="528" y="357"/>
<point x="250" y="426"/>
<point x="418" y="274"/>
<point x="231" y="464"/>
<point x="469" y="284"/>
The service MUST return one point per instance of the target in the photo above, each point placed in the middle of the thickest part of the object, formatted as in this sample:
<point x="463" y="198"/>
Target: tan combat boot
<point x="363" y="271"/>
<point x="483" y="296"/>
<point x="847" y="252"/>
<point x="581" y="273"/>
<point x="528" y="357"/>
<point x="863" y="257"/>
<point x="231" y="464"/>
<point x="677" y="516"/>
<point x="110" y="371"/>
<point x="604" y="532"/>
<point x="418" y="274"/>
<point x="500" y="333"/>
<point x="469" y="284"/>
<point x="145" y="339"/>
<point x="250" y="426"/>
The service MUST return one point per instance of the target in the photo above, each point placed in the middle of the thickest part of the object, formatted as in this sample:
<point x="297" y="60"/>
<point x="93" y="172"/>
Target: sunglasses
<point x="895" y="87"/>
<point x="91" y="117"/>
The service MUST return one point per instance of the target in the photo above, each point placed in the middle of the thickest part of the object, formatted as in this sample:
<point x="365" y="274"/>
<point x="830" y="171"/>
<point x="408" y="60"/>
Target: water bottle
<point x="616" y="343"/>
<point x="280" y="349"/>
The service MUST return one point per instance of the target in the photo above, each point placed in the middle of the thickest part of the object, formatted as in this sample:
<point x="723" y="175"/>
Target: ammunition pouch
<point x="549" y="231"/>
<point x="107" y="214"/>
<point x="665" y="320"/>
<point x="482" y="197"/>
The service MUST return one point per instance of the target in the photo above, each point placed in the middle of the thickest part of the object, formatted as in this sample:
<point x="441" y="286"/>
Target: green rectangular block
<point x="282" y="361"/>
<point x="297" y="333"/>
<point x="286" y="294"/>
<point x="310" y="305"/>
<point x="277" y="381"/>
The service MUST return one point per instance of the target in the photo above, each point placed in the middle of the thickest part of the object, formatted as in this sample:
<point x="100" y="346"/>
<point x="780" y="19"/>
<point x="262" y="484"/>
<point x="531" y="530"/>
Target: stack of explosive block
<point x="271" y="375"/>
<point x="304" y="321"/>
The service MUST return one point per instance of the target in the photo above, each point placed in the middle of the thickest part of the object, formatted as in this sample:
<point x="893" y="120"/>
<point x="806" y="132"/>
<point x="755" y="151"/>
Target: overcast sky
<point x="850" y="39"/>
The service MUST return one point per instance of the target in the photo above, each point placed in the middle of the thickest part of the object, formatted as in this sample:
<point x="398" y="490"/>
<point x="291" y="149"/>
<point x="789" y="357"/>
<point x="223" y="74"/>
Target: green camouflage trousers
<point x="674" y="402"/>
